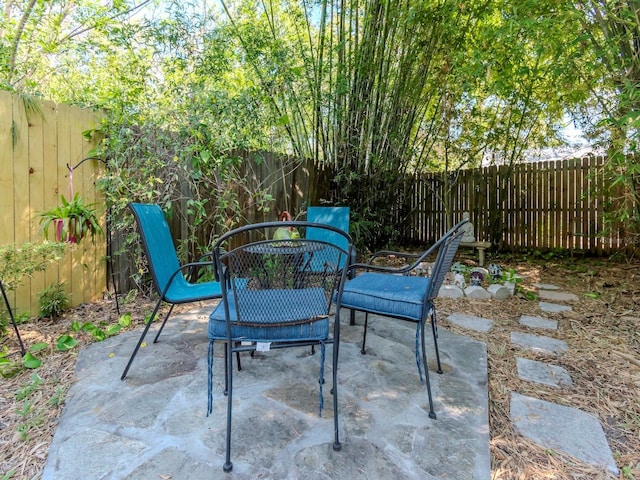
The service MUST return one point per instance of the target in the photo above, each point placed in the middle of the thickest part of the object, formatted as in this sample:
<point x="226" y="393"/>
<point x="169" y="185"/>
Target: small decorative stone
<point x="511" y="286"/>
<point x="499" y="292"/>
<point x="450" y="291"/>
<point x="476" y="293"/>
<point x="459" y="281"/>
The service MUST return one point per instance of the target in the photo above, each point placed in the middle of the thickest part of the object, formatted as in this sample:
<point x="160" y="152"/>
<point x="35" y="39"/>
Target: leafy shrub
<point x="53" y="301"/>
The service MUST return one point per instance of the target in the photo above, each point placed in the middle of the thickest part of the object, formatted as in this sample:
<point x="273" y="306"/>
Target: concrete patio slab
<point x="154" y="424"/>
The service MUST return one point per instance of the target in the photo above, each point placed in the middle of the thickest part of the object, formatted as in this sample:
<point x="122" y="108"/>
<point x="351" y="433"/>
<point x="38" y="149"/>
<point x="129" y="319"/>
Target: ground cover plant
<point x="603" y="360"/>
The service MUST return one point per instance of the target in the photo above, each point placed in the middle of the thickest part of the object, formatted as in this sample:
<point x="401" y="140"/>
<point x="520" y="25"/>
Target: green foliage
<point x="72" y="220"/>
<point x="66" y="342"/>
<point x="27" y="389"/>
<point x="16" y="262"/>
<point x="53" y="301"/>
<point x="29" y="360"/>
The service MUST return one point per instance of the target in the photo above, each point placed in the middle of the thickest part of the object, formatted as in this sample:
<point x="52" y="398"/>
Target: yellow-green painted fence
<point x="36" y="145"/>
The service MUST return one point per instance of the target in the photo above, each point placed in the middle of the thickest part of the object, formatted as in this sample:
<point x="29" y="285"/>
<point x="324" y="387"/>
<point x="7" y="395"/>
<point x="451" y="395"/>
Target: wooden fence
<point x="36" y="145"/>
<point x="544" y="205"/>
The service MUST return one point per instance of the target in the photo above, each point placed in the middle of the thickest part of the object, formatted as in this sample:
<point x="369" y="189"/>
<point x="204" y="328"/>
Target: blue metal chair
<point x="338" y="217"/>
<point x="401" y="293"/>
<point x="335" y="216"/>
<point x="272" y="298"/>
<point x="166" y="271"/>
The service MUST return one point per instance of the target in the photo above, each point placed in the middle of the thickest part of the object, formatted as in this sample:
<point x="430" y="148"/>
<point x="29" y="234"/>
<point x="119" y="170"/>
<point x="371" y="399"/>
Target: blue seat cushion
<point x="386" y="294"/>
<point x="272" y="309"/>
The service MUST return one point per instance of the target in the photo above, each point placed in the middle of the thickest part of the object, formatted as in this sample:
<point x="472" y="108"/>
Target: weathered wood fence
<point x="543" y="205"/>
<point x="36" y="145"/>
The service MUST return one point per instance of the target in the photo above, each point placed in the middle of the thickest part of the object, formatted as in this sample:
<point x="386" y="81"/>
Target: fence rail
<point x="544" y="205"/>
<point x="36" y="145"/>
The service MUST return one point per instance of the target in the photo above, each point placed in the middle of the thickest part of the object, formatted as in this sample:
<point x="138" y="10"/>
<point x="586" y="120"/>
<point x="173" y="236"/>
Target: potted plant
<point x="72" y="220"/>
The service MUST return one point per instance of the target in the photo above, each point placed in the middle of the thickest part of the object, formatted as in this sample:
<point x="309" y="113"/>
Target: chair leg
<point x="336" y="349"/>
<point x="226" y="372"/>
<point x="155" y="340"/>
<point x="228" y="367"/>
<point x="144" y="333"/>
<point x="13" y="320"/>
<point x="432" y="413"/>
<point x="434" y="329"/>
<point x="364" y="335"/>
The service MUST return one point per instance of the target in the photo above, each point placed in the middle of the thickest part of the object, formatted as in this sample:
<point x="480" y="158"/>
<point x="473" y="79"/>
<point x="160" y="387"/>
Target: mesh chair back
<point x="443" y="262"/>
<point x="157" y="243"/>
<point x="271" y="282"/>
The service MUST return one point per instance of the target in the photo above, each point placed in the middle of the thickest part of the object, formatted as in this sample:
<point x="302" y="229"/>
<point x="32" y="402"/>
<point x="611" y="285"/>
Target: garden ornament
<point x="495" y="271"/>
<point x="285" y="233"/>
<point x="458" y="268"/>
<point x="476" y="278"/>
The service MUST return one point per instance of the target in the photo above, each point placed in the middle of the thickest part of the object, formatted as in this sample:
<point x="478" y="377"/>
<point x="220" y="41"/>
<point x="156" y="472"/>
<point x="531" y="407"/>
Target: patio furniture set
<point x="280" y="291"/>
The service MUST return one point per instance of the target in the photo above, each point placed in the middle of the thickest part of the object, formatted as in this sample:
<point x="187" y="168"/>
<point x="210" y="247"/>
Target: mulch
<point x="603" y="360"/>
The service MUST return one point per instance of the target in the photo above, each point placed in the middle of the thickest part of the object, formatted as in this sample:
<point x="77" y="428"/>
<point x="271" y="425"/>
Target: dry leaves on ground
<point x="603" y="360"/>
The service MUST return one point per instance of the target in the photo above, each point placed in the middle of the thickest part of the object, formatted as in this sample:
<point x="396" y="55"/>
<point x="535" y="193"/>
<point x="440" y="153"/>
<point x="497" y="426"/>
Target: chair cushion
<point x="272" y="308"/>
<point x="387" y="294"/>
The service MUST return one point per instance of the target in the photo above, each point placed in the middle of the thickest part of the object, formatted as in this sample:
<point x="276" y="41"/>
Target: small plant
<point x="53" y="301"/>
<point x="71" y="220"/>
<point x="29" y="360"/>
<point x="28" y="388"/>
<point x="58" y="397"/>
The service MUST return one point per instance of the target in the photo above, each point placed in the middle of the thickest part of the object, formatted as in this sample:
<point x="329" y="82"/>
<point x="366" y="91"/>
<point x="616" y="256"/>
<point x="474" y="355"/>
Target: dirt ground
<point x="603" y="359"/>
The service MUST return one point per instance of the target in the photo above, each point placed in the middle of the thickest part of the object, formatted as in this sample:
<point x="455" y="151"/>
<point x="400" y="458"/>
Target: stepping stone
<point x="565" y="429"/>
<point x="538" y="343"/>
<point x="540" y="372"/>
<point x="546" y="286"/>
<point x="471" y="322"/>
<point x="557" y="296"/>
<point x="538" y="322"/>
<point x="553" y="307"/>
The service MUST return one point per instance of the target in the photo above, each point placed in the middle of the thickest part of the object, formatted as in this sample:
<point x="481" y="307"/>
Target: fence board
<point x="7" y="206"/>
<point x="35" y="147"/>
<point x="544" y="205"/>
<point x="21" y="189"/>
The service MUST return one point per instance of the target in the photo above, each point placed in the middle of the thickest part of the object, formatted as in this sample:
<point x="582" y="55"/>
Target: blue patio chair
<point x="338" y="217"/>
<point x="167" y="273"/>
<point x="401" y="293"/>
<point x="335" y="216"/>
<point x="272" y="299"/>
